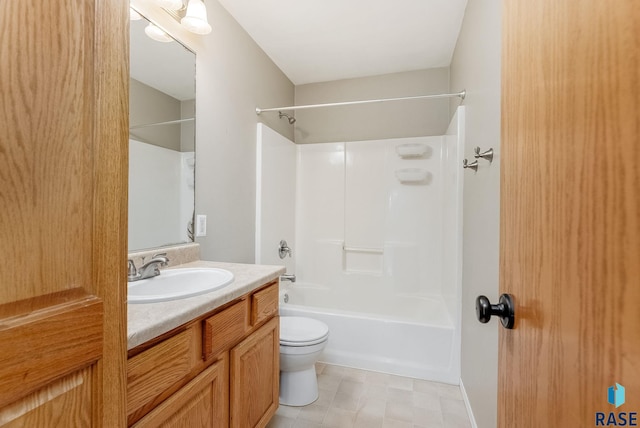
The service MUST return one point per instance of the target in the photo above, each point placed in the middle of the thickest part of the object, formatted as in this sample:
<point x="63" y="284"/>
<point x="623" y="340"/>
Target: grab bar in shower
<point x="363" y="250"/>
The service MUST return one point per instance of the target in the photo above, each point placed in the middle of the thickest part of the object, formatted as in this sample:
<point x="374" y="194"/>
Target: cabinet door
<point x="203" y="402"/>
<point x="255" y="377"/>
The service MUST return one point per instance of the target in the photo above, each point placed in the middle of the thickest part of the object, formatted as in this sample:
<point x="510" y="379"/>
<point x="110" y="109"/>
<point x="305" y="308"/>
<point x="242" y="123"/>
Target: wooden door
<point x="570" y="210"/>
<point x="63" y="186"/>
<point x="255" y="377"/>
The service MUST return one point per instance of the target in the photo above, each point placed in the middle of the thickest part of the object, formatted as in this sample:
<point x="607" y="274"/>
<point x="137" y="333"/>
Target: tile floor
<point x="351" y="398"/>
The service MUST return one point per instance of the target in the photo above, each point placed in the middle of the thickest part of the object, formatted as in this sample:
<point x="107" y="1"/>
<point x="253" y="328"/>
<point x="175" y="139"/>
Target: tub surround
<point x="149" y="320"/>
<point x="377" y="257"/>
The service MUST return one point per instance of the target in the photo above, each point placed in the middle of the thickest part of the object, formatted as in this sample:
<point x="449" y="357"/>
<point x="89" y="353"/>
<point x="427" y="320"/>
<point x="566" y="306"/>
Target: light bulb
<point x="157" y="34"/>
<point x="196" y="18"/>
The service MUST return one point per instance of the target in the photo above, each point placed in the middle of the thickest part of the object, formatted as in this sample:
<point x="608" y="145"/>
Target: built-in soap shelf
<point x="413" y="175"/>
<point x="412" y="150"/>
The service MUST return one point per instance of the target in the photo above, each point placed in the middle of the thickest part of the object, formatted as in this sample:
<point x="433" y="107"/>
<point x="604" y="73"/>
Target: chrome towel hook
<point x="487" y="154"/>
<point x="473" y="165"/>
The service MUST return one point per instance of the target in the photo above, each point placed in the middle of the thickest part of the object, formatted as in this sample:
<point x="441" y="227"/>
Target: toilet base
<point x="298" y="388"/>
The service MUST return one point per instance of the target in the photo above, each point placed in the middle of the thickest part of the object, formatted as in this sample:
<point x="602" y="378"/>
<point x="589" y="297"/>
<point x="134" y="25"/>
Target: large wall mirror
<point x="161" y="139"/>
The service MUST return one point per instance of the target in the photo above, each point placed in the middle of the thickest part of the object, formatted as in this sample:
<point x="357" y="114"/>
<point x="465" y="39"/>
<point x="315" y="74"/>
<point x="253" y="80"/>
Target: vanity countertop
<point x="148" y="320"/>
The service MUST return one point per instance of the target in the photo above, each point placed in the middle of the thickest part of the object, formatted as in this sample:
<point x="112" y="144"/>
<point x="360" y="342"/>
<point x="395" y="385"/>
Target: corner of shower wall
<point x="275" y="196"/>
<point x="453" y="205"/>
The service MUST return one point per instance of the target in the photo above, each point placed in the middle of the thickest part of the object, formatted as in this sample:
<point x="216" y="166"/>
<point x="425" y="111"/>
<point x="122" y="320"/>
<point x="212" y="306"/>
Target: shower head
<point x="291" y="119"/>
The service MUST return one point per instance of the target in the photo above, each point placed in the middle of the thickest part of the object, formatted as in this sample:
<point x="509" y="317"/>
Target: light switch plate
<point x="201" y="225"/>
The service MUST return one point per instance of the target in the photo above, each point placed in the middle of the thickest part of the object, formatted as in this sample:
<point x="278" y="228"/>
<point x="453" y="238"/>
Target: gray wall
<point x="233" y="77"/>
<point x="374" y="121"/>
<point x="148" y="105"/>
<point x="476" y="67"/>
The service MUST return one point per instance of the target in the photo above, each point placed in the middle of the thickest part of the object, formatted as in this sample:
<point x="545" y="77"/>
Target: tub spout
<point x="288" y="277"/>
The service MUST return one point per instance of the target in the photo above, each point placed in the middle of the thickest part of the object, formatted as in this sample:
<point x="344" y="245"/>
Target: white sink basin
<point x="176" y="284"/>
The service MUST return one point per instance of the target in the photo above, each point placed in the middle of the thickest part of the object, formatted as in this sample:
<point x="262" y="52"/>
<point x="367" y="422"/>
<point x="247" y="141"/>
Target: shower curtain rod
<point x="169" y="122"/>
<point x="460" y="94"/>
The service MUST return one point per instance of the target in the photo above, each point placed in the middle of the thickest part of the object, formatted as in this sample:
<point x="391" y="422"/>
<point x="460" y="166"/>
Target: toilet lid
<point x="301" y="331"/>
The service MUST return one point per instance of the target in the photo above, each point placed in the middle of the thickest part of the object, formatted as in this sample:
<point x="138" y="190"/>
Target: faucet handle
<point x="131" y="268"/>
<point x="284" y="249"/>
<point x="164" y="256"/>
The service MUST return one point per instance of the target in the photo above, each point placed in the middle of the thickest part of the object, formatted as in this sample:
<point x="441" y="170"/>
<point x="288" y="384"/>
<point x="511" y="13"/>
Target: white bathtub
<point x="407" y="336"/>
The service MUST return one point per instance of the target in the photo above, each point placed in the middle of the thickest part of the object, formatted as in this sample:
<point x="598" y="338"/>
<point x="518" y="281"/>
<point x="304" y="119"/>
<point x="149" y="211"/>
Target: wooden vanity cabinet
<point x="219" y="370"/>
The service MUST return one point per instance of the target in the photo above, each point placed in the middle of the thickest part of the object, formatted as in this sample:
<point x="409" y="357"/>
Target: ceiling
<point x="324" y="40"/>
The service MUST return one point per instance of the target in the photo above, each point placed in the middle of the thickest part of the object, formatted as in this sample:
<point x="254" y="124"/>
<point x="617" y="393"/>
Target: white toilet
<point x="301" y="342"/>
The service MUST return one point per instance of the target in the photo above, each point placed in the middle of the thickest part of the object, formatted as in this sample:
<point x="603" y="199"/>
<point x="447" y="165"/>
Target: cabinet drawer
<point x="155" y="370"/>
<point x="264" y="304"/>
<point x="225" y="329"/>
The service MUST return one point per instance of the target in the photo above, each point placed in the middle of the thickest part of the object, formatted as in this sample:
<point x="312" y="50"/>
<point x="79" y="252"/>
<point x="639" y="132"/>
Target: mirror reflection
<point x="161" y="139"/>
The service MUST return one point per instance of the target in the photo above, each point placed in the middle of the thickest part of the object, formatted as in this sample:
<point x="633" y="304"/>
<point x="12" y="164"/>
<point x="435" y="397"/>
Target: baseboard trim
<point x="472" y="418"/>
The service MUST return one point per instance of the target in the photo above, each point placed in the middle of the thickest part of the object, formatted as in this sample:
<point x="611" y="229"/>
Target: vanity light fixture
<point x="196" y="18"/>
<point x="192" y="16"/>
<point x="170" y="4"/>
<point x="157" y="34"/>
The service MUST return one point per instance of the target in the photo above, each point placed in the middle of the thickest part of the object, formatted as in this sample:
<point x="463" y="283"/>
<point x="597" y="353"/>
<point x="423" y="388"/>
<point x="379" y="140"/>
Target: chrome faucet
<point x="288" y="277"/>
<point x="147" y="270"/>
<point x="284" y="249"/>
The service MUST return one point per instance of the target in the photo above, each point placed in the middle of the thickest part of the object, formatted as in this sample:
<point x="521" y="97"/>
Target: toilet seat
<point x="301" y="331"/>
